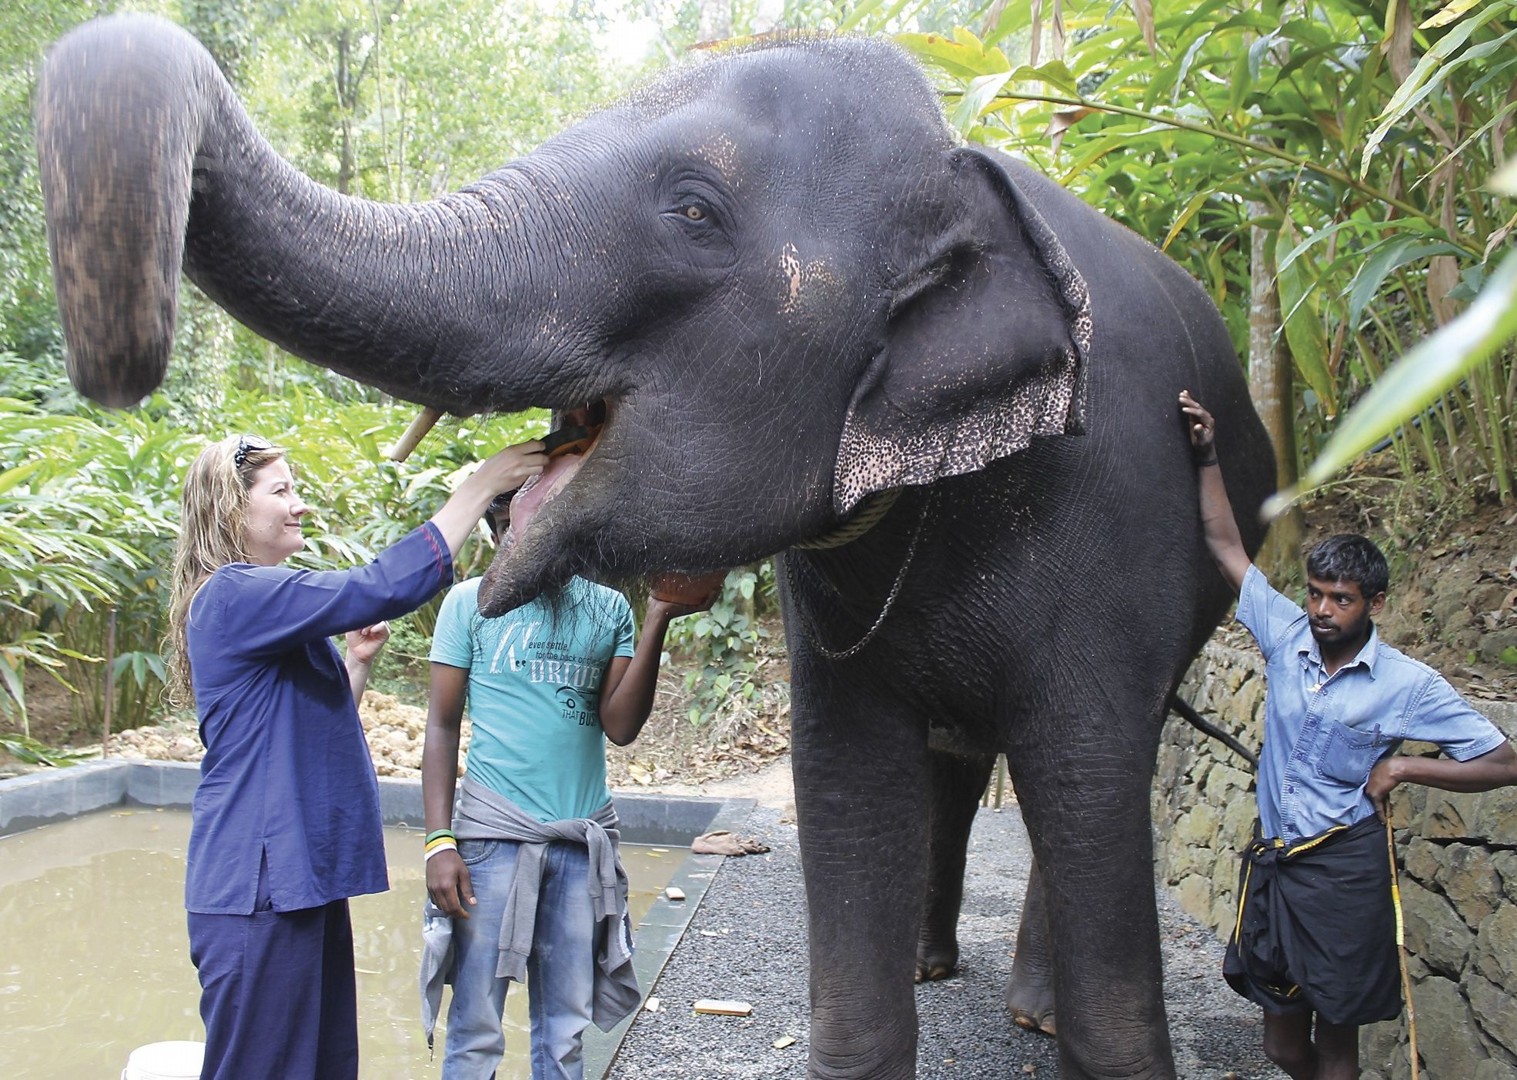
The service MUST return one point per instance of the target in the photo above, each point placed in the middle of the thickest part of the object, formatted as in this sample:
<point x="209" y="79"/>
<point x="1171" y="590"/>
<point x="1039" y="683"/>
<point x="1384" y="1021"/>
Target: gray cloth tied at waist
<point x="481" y="814"/>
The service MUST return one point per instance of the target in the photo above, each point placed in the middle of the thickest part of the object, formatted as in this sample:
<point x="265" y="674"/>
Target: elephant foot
<point x="1031" y="1003"/>
<point x="936" y="961"/>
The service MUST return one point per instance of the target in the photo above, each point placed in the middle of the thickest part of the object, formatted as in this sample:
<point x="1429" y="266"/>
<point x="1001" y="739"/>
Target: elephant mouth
<point x="568" y="446"/>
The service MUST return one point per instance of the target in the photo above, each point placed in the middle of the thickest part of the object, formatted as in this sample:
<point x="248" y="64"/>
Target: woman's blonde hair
<point x="212" y="534"/>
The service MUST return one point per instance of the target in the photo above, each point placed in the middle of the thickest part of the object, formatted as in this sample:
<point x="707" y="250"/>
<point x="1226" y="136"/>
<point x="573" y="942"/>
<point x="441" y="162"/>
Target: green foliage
<point x="225" y="28"/>
<point x="27" y="749"/>
<point x="679" y="26"/>
<point x="40" y="650"/>
<point x="726" y="643"/>
<point x="88" y="520"/>
<point x="75" y="533"/>
<point x="1370" y="175"/>
<point x="1432" y="368"/>
<point x="408" y="101"/>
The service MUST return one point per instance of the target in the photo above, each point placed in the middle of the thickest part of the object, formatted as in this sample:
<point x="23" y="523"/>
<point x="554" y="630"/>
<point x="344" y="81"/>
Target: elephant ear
<point x="985" y="346"/>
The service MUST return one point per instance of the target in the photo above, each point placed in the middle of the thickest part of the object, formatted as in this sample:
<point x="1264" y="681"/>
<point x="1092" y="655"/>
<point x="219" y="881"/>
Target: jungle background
<point x="1335" y="174"/>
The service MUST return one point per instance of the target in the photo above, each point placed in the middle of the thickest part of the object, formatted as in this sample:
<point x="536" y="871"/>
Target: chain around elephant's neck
<point x="890" y="598"/>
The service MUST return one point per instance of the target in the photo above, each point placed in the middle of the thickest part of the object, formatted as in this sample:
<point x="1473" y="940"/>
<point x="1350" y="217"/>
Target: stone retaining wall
<point x="1458" y="876"/>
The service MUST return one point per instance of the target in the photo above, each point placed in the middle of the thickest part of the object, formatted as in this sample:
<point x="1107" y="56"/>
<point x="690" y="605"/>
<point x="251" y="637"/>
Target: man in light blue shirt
<point x="1315" y="935"/>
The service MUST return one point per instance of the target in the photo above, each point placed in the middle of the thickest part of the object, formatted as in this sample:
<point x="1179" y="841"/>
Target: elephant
<point x="806" y="322"/>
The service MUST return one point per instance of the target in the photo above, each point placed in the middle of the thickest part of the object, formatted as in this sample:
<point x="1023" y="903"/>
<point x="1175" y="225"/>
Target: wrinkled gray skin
<point x="791" y="291"/>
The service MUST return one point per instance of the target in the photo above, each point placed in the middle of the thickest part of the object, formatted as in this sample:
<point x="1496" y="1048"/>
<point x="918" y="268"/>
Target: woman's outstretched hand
<point x="503" y="471"/>
<point x="508" y="469"/>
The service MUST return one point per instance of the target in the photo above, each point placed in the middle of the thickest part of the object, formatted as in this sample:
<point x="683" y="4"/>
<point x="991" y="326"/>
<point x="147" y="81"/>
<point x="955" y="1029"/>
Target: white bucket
<point x="165" y="1061"/>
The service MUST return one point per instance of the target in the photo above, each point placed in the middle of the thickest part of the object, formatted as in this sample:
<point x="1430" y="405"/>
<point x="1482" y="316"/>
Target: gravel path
<point x="748" y="941"/>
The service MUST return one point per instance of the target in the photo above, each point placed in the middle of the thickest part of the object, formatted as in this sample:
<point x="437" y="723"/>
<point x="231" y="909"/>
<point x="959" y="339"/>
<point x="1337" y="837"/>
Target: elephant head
<point x="773" y="271"/>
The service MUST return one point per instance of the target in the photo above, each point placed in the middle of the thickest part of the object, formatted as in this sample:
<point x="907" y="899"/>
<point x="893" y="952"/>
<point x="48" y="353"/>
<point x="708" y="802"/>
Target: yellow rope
<point x="1406" y="978"/>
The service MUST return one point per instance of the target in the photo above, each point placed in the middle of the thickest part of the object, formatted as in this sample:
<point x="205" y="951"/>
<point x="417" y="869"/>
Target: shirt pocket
<point x="1348" y="754"/>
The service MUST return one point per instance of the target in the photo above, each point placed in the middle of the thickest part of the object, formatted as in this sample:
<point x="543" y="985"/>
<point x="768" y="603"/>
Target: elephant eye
<point x="697" y="218"/>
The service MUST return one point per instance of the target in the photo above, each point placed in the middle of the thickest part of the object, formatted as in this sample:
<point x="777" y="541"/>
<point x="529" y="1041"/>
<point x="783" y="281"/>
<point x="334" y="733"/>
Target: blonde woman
<point x="286" y="822"/>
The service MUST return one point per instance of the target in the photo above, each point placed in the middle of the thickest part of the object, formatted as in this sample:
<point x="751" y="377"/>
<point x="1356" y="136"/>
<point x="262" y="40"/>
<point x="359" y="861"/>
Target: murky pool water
<point x="94" y="955"/>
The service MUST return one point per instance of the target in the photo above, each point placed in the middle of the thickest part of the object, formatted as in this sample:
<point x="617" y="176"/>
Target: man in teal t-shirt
<point x="523" y="875"/>
<point x="538" y="669"/>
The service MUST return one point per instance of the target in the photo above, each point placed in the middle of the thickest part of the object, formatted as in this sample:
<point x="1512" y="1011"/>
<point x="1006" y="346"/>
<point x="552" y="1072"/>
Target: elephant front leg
<point x="861" y="810"/>
<point x="1029" y="991"/>
<point x="957" y="783"/>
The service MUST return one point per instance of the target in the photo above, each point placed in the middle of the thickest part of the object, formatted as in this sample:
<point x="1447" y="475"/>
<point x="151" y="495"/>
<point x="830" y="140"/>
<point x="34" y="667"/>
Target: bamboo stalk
<point x="995" y="788"/>
<point x="110" y="681"/>
<point x="1493" y="406"/>
<point x="1406" y="978"/>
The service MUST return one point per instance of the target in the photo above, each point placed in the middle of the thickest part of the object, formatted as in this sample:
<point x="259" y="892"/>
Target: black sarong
<point x="1316" y="929"/>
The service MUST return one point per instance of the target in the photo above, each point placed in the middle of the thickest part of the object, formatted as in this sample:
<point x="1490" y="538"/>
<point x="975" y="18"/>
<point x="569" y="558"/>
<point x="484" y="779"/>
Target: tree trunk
<point x="1270" y="384"/>
<point x="347" y="104"/>
<point x="715" y="20"/>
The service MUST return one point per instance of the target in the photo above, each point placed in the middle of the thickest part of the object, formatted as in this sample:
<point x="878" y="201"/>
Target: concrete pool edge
<point x="54" y="795"/>
<point x="49" y="795"/>
<point x="665" y="924"/>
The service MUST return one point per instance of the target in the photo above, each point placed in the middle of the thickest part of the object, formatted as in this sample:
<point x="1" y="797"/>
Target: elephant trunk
<point x="149" y="162"/>
<point x="116" y="246"/>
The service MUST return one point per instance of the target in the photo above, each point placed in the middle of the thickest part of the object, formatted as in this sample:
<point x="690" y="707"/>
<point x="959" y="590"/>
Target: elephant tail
<point x="1183" y="709"/>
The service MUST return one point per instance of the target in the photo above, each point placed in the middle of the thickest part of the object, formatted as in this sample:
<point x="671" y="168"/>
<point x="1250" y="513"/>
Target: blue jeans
<point x="560" y="970"/>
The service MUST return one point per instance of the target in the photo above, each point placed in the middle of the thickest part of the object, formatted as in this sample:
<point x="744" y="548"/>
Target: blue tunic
<point x="287" y="776"/>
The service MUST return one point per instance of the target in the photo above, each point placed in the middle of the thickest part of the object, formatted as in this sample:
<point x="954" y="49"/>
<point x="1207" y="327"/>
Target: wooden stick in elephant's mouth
<point x="570" y="439"/>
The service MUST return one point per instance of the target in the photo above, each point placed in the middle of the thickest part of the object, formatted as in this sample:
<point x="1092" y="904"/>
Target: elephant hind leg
<point x="956" y="785"/>
<point x="1029" y="991"/>
<point x="936" y="960"/>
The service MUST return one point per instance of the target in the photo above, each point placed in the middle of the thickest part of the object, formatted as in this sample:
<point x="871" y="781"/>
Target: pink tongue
<point x="538" y="492"/>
